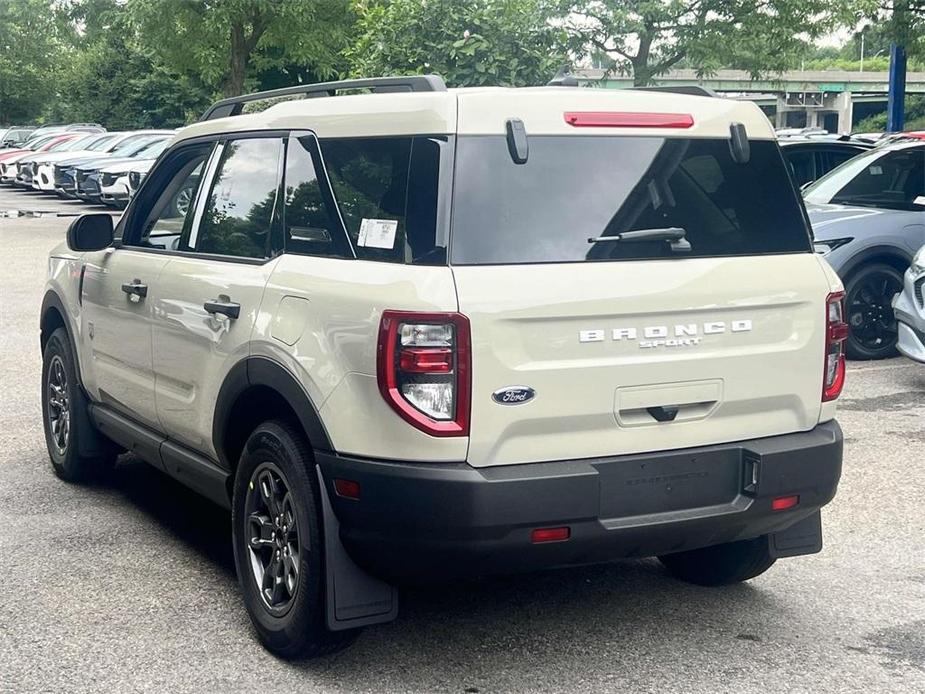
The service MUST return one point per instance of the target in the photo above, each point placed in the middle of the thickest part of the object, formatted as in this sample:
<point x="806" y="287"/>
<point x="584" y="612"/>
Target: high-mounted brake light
<point x="423" y="368"/>
<point x="625" y="119"/>
<point x="836" y="332"/>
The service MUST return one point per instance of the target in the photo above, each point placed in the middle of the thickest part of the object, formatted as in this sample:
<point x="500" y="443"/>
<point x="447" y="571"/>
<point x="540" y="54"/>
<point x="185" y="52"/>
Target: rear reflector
<point x="620" y="119"/>
<point x="550" y="534"/>
<point x="782" y="503"/>
<point x="348" y="489"/>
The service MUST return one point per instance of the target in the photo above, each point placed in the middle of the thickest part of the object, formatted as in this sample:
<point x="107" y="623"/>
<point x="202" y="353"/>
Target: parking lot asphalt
<point x="130" y="586"/>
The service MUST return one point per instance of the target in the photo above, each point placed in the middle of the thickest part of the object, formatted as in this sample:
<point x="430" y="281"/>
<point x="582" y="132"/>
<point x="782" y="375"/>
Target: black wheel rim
<point x="59" y="412"/>
<point x="870" y="313"/>
<point x="272" y="537"/>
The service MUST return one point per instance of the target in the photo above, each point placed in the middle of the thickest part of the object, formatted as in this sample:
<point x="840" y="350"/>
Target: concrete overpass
<point x="820" y="98"/>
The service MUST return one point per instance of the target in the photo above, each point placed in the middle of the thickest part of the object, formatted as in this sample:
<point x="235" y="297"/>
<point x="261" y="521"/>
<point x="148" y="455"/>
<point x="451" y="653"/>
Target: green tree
<point x="469" y="42"/>
<point x="226" y="41"/>
<point x="649" y="37"/>
<point x="32" y="49"/>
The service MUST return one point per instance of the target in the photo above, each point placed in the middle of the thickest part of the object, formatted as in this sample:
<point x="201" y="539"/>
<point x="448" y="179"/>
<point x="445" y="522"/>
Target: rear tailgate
<point x="722" y="349"/>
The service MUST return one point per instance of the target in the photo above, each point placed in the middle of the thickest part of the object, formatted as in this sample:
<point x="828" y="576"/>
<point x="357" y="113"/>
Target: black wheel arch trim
<point x="872" y="254"/>
<point x="263" y="371"/>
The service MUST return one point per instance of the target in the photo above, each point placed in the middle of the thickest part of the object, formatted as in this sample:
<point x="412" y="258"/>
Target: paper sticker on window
<point x="919" y="200"/>
<point x="875" y="170"/>
<point x="378" y="233"/>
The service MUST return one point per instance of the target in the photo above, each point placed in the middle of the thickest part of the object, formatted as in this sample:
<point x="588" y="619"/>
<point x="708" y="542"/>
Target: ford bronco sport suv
<point x="414" y="332"/>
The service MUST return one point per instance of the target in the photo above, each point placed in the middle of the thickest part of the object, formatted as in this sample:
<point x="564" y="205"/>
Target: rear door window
<point x="574" y="189"/>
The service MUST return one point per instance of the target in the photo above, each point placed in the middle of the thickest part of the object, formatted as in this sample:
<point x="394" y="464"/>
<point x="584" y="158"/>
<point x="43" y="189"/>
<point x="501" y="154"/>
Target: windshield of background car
<point x="39" y="142"/>
<point x="78" y="143"/>
<point x="152" y="148"/>
<point x="576" y="188"/>
<point x="891" y="179"/>
<point x="131" y="146"/>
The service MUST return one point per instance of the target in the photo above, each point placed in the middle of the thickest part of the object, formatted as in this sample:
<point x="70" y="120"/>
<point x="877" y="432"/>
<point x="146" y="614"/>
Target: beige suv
<point x="405" y="331"/>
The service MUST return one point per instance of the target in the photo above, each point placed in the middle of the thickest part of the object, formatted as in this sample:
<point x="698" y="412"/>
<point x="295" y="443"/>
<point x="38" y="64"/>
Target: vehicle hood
<point x="143" y="165"/>
<point x="7" y="154"/>
<point x="18" y="157"/>
<point x="839" y="221"/>
<point x="84" y="161"/>
<point x="55" y="157"/>
<point x="116" y="165"/>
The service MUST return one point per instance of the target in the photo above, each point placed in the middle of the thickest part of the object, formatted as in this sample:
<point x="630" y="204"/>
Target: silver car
<point x="868" y="219"/>
<point x="909" y="307"/>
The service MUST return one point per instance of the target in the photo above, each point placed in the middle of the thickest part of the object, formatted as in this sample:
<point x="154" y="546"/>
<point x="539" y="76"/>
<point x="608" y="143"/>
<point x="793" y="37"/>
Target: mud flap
<point x="353" y="598"/>
<point x="805" y="537"/>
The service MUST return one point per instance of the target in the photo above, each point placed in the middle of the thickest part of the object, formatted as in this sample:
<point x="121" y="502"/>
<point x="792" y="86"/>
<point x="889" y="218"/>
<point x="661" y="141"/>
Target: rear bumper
<point x="417" y="520"/>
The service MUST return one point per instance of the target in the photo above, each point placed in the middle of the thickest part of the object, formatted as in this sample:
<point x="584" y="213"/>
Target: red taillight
<point x="423" y="368"/>
<point x="836" y="332"/>
<point x="550" y="535"/>
<point x="782" y="503"/>
<point x="620" y="119"/>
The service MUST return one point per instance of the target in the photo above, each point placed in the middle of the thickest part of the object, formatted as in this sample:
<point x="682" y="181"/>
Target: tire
<point x="290" y="615"/>
<point x="872" y="330"/>
<point x="69" y="435"/>
<point x="721" y="565"/>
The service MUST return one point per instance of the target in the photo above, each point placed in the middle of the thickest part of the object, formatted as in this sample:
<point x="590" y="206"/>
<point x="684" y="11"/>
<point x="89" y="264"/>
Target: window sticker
<point x="876" y="170"/>
<point x="377" y="233"/>
<point x="919" y="200"/>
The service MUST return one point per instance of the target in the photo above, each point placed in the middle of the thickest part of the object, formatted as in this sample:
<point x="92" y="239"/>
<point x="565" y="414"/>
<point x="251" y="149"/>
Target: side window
<point x="241" y="206"/>
<point x="895" y="180"/>
<point x="309" y="218"/>
<point x="840" y="156"/>
<point x="386" y="189"/>
<point x="176" y="189"/>
<point x="802" y="165"/>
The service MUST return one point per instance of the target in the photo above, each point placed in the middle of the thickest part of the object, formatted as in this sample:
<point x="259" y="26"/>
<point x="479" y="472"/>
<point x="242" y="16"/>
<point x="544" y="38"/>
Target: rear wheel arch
<point x="256" y="390"/>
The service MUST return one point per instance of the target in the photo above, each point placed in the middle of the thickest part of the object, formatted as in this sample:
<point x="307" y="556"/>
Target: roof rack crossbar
<point x="689" y="89"/>
<point x="234" y="106"/>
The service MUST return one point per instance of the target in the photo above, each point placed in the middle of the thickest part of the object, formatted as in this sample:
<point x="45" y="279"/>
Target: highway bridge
<point x="814" y="98"/>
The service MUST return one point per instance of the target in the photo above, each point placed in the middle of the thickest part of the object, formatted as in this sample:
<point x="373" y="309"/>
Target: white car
<point x="115" y="188"/>
<point x="426" y="332"/>
<point x="42" y="174"/>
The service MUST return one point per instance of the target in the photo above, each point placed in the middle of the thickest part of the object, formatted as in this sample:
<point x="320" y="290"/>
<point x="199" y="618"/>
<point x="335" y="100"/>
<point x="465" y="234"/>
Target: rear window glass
<point x="577" y="188"/>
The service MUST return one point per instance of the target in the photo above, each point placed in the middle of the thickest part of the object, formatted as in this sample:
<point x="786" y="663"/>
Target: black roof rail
<point x="689" y="89"/>
<point x="233" y="106"/>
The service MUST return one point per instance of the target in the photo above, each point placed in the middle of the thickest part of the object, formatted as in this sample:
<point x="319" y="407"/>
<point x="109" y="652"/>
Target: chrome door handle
<point x="135" y="288"/>
<point x="226" y="308"/>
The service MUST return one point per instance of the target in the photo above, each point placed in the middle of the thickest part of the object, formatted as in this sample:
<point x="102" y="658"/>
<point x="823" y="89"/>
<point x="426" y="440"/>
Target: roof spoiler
<point x="689" y="89"/>
<point x="234" y="106"/>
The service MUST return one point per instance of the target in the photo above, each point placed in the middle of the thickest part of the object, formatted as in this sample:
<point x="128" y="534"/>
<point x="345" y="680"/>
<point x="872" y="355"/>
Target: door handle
<point x="225" y="307"/>
<point x="135" y="288"/>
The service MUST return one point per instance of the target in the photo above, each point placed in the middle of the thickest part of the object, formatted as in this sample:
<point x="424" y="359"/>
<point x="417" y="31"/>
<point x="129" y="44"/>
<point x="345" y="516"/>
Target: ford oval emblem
<point x="513" y="395"/>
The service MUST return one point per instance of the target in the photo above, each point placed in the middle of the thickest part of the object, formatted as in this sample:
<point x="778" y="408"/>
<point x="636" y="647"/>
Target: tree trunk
<point x="234" y="85"/>
<point x="642" y="73"/>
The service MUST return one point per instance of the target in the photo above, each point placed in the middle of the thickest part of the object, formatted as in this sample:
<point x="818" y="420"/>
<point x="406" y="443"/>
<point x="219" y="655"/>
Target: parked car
<point x="64" y="170"/>
<point x="627" y="346"/>
<point x="9" y="165"/>
<point x="87" y="174"/>
<point x="114" y="177"/>
<point x="43" y="165"/>
<point x="30" y="165"/>
<point x="811" y="157"/>
<point x="71" y="127"/>
<point x="868" y="219"/>
<point x="909" y="308"/>
<point x="32" y="145"/>
<point x="15" y="137"/>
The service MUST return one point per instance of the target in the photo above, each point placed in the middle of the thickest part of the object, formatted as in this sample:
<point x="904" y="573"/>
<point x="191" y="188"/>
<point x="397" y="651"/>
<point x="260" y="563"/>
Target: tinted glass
<point x="387" y="190"/>
<point x="837" y="157"/>
<point x="576" y="188"/>
<point x="239" y="210"/>
<point x="310" y="222"/>
<point x="802" y="164"/>
<point x="887" y="179"/>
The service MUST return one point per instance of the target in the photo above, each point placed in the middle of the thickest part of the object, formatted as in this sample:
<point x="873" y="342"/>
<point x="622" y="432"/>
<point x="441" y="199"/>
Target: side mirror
<point x="90" y="232"/>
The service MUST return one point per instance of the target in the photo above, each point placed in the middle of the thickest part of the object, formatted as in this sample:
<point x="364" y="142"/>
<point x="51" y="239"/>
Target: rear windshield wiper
<point x="673" y="234"/>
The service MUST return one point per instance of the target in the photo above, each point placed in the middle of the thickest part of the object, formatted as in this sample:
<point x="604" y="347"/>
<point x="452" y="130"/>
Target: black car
<point x="811" y="157"/>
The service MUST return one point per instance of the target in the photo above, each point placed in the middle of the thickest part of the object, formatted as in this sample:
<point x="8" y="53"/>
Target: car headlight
<point x="825" y="247"/>
<point x="918" y="262"/>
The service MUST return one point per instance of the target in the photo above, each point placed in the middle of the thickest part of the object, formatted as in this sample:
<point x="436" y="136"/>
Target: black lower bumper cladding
<point x="451" y="519"/>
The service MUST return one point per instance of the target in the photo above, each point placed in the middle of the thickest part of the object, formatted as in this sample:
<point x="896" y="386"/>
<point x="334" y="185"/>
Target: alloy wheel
<point x="59" y="413"/>
<point x="870" y="313"/>
<point x="183" y="201"/>
<point x="272" y="537"/>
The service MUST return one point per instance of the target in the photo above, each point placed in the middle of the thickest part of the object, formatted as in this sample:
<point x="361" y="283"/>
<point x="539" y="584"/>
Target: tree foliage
<point x="225" y="41"/>
<point x="33" y="44"/>
<point x="469" y="42"/>
<point x="647" y="38"/>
